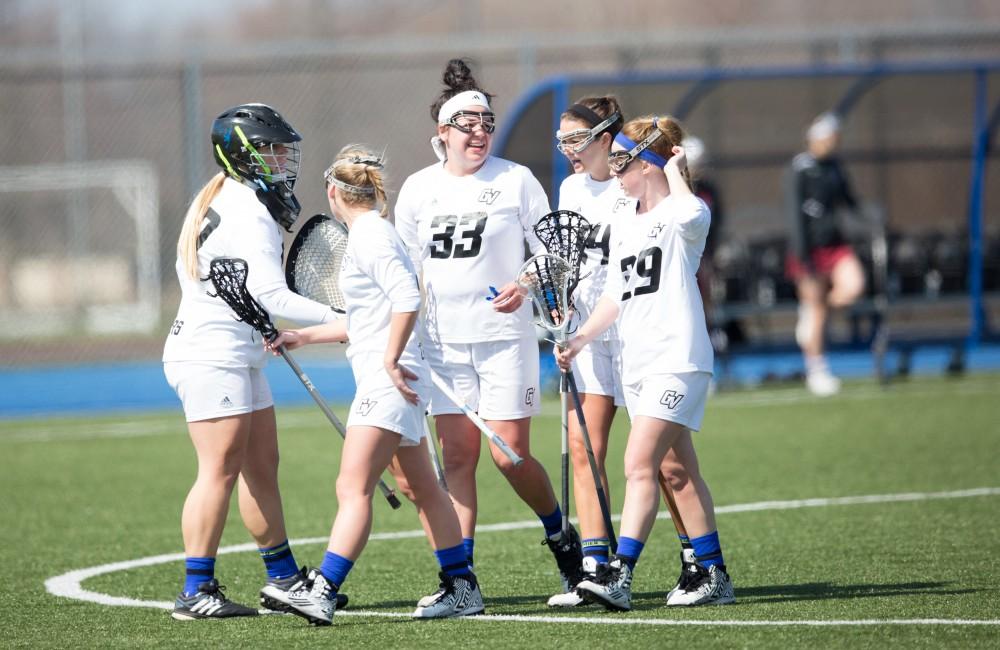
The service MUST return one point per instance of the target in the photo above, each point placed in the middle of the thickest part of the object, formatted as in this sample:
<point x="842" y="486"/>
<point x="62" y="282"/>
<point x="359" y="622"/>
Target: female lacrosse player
<point x="826" y="272"/>
<point x="666" y="368"/>
<point x="216" y="363"/>
<point x="586" y="131"/>
<point x="465" y="221"/>
<point x="383" y="302"/>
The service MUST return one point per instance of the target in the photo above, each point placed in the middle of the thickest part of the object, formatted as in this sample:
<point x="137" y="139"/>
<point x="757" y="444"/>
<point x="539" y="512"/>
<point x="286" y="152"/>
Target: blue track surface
<point x="28" y="392"/>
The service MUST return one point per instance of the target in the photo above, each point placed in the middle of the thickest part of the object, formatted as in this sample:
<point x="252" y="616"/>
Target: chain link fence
<point x="79" y="248"/>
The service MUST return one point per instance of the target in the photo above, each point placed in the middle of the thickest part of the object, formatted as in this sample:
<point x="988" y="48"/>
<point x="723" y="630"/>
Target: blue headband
<point x="646" y="154"/>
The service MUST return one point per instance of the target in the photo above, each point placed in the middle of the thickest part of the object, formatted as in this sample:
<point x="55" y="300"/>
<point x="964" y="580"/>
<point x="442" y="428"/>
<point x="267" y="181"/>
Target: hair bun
<point x="458" y="76"/>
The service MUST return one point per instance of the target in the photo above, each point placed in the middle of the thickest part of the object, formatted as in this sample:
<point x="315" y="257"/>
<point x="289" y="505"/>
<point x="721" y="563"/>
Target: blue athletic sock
<point x="597" y="548"/>
<point x="196" y="571"/>
<point x="707" y="550"/>
<point x="454" y="560"/>
<point x="470" y="546"/>
<point x="685" y="541"/>
<point x="552" y="522"/>
<point x="335" y="569"/>
<point x="629" y="550"/>
<point x="279" y="561"/>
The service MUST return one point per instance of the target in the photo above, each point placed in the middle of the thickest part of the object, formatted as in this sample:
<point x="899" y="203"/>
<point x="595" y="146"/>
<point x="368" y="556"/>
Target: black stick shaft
<point x="602" y="497"/>
<point x="389" y="494"/>
<point x="564" y="477"/>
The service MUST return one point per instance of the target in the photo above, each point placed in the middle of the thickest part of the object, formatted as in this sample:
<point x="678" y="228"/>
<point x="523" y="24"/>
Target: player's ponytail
<point x="187" y="242"/>
<point x="357" y="172"/>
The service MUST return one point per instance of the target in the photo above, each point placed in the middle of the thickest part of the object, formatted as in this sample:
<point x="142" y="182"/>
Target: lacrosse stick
<point x="312" y="269"/>
<point x="312" y="266"/>
<point x="564" y="233"/>
<point x="547" y="278"/>
<point x="880" y="284"/>
<point x="229" y="276"/>
<point x="435" y="461"/>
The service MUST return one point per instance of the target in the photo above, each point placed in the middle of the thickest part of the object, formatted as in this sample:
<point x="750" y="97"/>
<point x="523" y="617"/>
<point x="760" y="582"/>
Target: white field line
<point x="68" y="585"/>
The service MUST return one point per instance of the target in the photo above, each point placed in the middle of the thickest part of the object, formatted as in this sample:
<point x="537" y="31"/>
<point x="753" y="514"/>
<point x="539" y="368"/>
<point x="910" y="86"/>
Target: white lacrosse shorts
<point x="378" y="403"/>
<point x="597" y="370"/>
<point x="209" y="391"/>
<point x="497" y="379"/>
<point x="678" y="397"/>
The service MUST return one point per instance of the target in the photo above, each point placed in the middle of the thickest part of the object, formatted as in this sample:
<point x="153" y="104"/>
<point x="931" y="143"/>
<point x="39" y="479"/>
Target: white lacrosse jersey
<point x="377" y="279"/>
<point x="205" y="329"/>
<point x="602" y="204"/>
<point x="661" y="324"/>
<point x="466" y="234"/>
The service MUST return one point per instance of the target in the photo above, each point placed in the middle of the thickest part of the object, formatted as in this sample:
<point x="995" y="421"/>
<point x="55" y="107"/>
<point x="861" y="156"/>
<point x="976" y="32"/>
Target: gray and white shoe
<point x="315" y="600"/>
<point x="611" y="587"/>
<point x="689" y="572"/>
<point x="711" y="586"/>
<point x="571" y="598"/>
<point x="458" y="596"/>
<point x="208" y="602"/>
<point x="274" y="595"/>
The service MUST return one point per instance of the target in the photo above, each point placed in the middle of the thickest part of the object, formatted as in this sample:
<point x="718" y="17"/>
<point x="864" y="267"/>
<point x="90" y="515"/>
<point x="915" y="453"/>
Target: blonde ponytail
<point x="187" y="243"/>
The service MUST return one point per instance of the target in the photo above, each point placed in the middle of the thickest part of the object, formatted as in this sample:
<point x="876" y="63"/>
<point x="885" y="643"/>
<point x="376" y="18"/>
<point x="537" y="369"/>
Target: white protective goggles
<point x="577" y="140"/>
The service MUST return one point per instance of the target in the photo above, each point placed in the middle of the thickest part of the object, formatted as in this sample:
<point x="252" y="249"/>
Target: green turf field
<point x="918" y="567"/>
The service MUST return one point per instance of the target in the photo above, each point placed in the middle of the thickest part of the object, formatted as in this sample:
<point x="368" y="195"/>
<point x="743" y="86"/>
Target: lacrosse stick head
<point x="312" y="266"/>
<point x="229" y="276"/>
<point x="564" y="234"/>
<point x="546" y="278"/>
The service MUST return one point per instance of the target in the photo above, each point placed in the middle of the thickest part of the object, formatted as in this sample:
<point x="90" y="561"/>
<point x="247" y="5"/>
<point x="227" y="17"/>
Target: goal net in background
<point x="79" y="249"/>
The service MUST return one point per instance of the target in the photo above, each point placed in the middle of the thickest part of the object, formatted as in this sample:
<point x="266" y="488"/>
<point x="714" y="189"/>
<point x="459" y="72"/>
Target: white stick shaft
<point x="478" y="421"/>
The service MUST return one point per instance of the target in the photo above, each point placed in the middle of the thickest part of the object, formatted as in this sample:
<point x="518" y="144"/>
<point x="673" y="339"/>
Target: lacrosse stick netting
<point x="564" y="233"/>
<point x="312" y="266"/>
<point x="546" y="278"/>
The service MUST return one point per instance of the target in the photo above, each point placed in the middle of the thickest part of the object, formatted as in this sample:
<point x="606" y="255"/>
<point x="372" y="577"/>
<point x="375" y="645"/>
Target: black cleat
<point x="569" y="557"/>
<point x="209" y="602"/>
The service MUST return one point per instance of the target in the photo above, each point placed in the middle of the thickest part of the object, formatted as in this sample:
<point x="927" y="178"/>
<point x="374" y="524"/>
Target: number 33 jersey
<point x="466" y="234"/>
<point x="661" y="322"/>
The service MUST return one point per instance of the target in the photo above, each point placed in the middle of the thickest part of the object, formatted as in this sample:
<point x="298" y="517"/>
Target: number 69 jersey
<point x="466" y="234"/>
<point x="661" y="322"/>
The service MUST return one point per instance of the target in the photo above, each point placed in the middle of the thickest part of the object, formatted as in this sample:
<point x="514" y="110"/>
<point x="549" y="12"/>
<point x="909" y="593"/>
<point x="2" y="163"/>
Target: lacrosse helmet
<point x="253" y="144"/>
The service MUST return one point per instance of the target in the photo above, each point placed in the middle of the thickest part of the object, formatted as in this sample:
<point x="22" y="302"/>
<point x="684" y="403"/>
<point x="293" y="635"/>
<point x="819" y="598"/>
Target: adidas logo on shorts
<point x="226" y="402"/>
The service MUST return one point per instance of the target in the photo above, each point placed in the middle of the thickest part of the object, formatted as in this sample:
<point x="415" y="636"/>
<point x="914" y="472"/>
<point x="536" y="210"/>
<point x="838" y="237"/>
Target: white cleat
<point x="822" y="384"/>
<point x="711" y="587"/>
<point x="611" y="587"/>
<point x="689" y="571"/>
<point x="458" y="596"/>
<point x="315" y="600"/>
<point x="571" y="598"/>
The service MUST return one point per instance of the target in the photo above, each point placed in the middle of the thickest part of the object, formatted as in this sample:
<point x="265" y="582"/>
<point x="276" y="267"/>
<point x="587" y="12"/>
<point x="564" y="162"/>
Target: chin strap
<point x="284" y="208"/>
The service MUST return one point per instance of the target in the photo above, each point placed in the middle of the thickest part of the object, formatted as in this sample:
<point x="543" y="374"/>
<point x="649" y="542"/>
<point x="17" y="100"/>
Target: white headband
<point x="823" y="126"/>
<point x="460" y="101"/>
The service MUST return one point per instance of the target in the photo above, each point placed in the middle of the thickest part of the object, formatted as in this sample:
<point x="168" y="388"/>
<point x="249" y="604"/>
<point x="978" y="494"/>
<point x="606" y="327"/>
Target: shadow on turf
<point x="650" y="600"/>
<point x="829" y="591"/>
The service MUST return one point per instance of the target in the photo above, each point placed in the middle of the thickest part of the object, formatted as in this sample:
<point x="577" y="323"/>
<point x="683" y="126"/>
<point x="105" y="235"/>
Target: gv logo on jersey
<point x="656" y="230"/>
<point x="366" y="406"/>
<point x="489" y="195"/>
<point x="671" y="399"/>
<point x="622" y="203"/>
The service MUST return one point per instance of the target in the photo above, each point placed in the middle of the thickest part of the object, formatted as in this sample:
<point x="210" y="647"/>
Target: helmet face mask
<point x="256" y="146"/>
